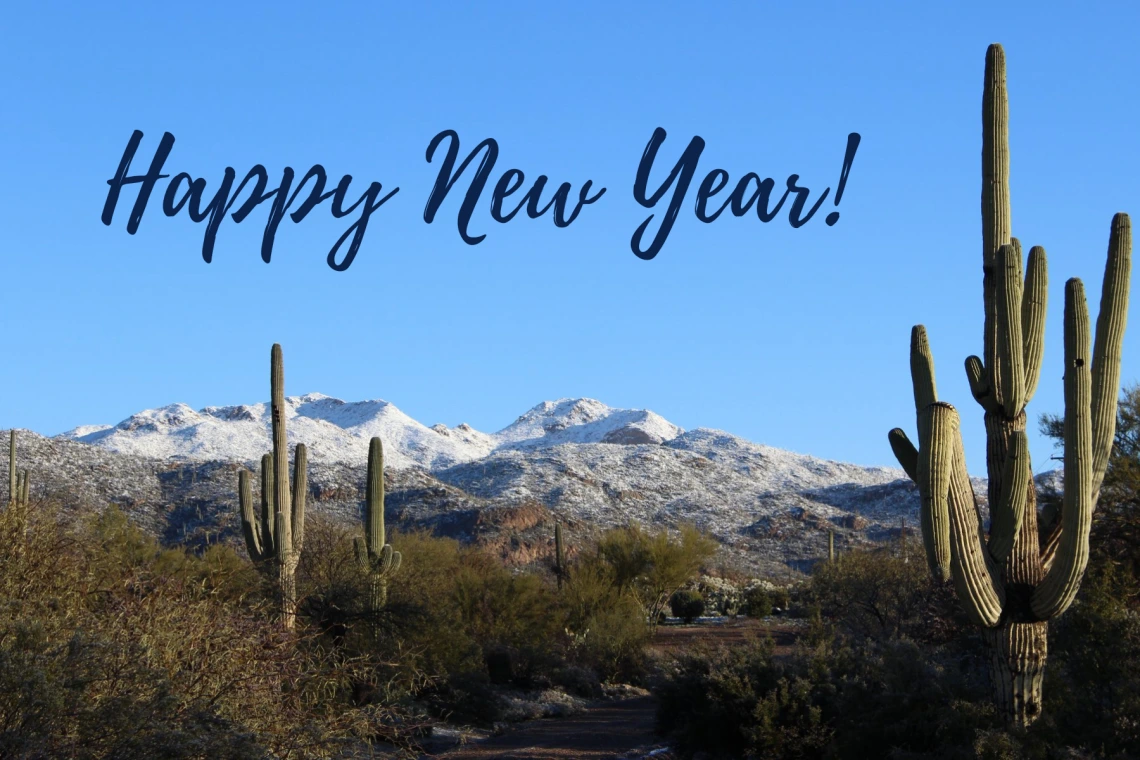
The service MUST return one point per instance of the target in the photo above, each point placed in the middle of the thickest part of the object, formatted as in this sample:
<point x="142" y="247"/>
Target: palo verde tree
<point x="274" y="538"/>
<point x="1012" y="582"/>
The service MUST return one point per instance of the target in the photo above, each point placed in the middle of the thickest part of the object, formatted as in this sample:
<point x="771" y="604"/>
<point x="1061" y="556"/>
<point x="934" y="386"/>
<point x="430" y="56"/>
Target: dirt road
<point x="623" y="728"/>
<point x="606" y="731"/>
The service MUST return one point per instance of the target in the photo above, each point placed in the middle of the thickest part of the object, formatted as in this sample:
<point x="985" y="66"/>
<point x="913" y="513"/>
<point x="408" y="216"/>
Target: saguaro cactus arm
<point x="267" y="503"/>
<point x="1110" y="323"/>
<point x="933" y="484"/>
<point x="935" y="460"/>
<point x="1059" y="587"/>
<point x="1010" y="347"/>
<point x="1090" y="418"/>
<point x="905" y="452"/>
<point x="300" y="494"/>
<point x="251" y="526"/>
<point x="1034" y="300"/>
<point x="1008" y="514"/>
<point x="976" y="578"/>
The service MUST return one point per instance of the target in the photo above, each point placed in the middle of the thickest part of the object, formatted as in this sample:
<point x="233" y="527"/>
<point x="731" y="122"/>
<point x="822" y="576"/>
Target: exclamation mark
<point x="848" y="158"/>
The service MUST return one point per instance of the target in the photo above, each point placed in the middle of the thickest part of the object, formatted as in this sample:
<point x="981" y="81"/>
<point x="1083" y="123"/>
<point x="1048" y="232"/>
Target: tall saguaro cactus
<point x="1012" y="582"/>
<point x="274" y="538"/>
<point x="19" y="486"/>
<point x="560" y="566"/>
<point x="372" y="554"/>
<point x="12" y="490"/>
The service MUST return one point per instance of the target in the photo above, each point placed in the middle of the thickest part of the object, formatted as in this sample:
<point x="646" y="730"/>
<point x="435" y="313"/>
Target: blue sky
<point x="792" y="337"/>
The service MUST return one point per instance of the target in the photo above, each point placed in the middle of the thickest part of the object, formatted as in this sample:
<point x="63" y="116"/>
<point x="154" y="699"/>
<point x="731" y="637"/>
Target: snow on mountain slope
<point x="335" y="430"/>
<point x="587" y="463"/>
<point x="576" y="455"/>
<point x="775" y="469"/>
<point x="687" y="480"/>
<point x="584" y="420"/>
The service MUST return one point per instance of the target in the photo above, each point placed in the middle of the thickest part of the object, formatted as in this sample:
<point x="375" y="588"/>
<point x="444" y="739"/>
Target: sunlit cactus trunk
<point x="1011" y="582"/>
<point x="12" y="467"/>
<point x="373" y="555"/>
<point x="274" y="538"/>
<point x="19" y="489"/>
<point x="560" y="566"/>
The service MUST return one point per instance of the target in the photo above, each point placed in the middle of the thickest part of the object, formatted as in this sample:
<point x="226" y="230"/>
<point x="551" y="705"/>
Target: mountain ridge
<point x="572" y="460"/>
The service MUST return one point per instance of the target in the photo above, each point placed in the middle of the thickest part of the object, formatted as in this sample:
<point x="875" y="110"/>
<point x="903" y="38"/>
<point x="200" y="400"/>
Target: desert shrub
<point x="579" y="681"/>
<point x="758" y="602"/>
<point x="687" y="605"/>
<point x="111" y="646"/>
<point x="883" y="672"/>
<point x="652" y="566"/>
<point x="1092" y="684"/>
<point x="510" y="614"/>
<point x="737" y="702"/>
<point x="877" y="595"/>
<point x="605" y="628"/>
<point x="837" y="696"/>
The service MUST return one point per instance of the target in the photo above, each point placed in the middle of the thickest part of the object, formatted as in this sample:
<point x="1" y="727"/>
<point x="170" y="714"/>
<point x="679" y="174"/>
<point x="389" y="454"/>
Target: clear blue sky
<point x="792" y="337"/>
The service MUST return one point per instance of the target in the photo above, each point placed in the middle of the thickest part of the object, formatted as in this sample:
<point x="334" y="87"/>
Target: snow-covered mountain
<point x="591" y="465"/>
<point x="331" y="429"/>
<point x="339" y="431"/>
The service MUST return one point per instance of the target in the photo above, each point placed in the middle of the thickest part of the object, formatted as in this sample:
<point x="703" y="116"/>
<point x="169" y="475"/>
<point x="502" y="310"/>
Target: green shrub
<point x="738" y="702"/>
<point x="687" y="605"/>
<point x="877" y="595"/>
<point x="758" y="602"/>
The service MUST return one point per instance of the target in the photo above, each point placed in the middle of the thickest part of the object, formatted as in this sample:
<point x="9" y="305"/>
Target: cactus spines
<point x="1018" y="578"/>
<point x="559" y="555"/>
<point x="275" y="537"/>
<point x="831" y="547"/>
<point x="372" y="553"/>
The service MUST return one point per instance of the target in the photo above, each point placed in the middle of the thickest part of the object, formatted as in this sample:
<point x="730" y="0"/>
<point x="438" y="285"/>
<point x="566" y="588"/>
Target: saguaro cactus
<point x="372" y="554"/>
<point x="275" y="537"/>
<point x="1011" y="582"/>
<point x="19" y="486"/>
<point x="559" y="555"/>
<point x="12" y="490"/>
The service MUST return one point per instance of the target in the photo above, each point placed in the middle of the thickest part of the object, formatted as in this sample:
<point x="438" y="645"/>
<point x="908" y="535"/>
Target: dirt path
<point x="606" y="731"/>
<point x="613" y="729"/>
